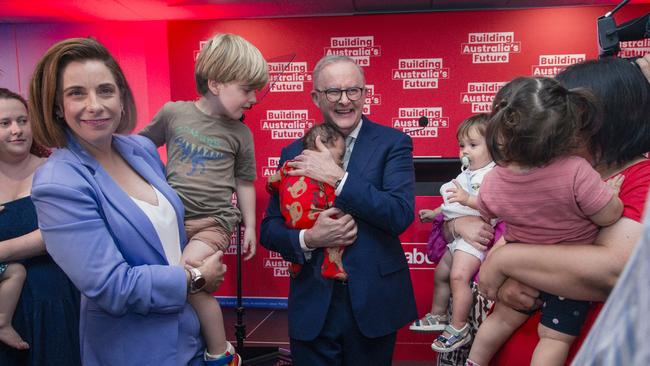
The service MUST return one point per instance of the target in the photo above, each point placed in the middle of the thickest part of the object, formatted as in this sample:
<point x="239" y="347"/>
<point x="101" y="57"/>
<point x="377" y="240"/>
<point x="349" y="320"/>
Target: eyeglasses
<point x="334" y="94"/>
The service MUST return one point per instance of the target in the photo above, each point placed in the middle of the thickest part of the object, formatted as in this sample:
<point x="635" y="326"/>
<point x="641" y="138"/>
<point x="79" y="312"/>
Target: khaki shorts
<point x="208" y="231"/>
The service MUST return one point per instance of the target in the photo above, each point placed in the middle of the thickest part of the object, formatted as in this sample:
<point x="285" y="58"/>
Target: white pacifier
<point x="464" y="162"/>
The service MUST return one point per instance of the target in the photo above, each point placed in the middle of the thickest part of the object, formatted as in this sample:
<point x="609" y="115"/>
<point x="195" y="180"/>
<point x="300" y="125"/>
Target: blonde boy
<point x="211" y="155"/>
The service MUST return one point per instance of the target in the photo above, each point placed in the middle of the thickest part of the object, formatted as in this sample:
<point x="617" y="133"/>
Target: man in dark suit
<point x="351" y="322"/>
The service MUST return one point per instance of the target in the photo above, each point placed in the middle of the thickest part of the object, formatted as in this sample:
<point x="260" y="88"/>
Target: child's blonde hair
<point x="228" y="57"/>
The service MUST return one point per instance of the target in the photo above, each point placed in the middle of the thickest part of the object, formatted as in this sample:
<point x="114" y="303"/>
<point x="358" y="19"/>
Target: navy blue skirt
<point x="47" y="315"/>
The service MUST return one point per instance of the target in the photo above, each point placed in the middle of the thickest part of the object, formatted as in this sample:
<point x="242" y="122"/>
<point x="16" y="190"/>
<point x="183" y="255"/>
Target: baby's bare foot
<point x="9" y="337"/>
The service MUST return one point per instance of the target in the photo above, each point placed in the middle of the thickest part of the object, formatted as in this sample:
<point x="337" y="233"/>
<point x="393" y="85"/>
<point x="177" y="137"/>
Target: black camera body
<point x="610" y="35"/>
<point x="608" y="41"/>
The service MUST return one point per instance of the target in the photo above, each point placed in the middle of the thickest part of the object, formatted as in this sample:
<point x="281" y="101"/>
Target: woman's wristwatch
<point x="197" y="282"/>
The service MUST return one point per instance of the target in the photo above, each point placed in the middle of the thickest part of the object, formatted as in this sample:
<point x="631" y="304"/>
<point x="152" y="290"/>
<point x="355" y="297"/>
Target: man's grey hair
<point x="332" y="59"/>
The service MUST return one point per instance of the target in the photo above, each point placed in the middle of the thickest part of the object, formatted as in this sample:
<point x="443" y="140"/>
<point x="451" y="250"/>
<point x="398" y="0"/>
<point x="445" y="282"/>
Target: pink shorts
<point x="208" y="231"/>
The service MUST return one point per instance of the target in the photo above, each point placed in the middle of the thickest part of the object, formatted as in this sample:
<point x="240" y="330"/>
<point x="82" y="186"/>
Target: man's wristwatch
<point x="197" y="282"/>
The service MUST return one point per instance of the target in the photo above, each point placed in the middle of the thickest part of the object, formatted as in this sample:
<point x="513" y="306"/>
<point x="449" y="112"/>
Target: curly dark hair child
<point x="535" y="120"/>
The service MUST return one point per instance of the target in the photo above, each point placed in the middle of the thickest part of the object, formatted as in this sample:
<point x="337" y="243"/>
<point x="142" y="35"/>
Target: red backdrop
<point x="444" y="65"/>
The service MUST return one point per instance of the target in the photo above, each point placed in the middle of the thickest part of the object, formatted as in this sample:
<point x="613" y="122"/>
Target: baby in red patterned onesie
<point x="302" y="198"/>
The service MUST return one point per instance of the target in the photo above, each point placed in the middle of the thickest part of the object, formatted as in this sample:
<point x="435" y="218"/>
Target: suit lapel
<point x="141" y="166"/>
<point x="364" y="146"/>
<point x="117" y="198"/>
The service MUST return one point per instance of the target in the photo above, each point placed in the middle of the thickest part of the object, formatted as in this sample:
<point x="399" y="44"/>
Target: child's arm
<point x="246" y="202"/>
<point x="614" y="208"/>
<point x="428" y="215"/>
<point x="458" y="194"/>
<point x="156" y="131"/>
<point x="608" y="214"/>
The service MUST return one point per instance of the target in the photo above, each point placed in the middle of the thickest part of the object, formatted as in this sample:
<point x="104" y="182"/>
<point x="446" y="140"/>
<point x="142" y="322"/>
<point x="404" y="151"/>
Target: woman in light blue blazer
<point x="108" y="217"/>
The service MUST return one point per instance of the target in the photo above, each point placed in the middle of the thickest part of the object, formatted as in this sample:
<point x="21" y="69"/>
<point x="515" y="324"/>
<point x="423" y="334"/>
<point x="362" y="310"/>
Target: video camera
<point x="609" y="35"/>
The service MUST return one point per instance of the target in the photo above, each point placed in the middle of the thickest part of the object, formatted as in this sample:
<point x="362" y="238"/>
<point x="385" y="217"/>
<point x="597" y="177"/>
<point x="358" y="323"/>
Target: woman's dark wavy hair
<point x="625" y="93"/>
<point x="35" y="149"/>
<point x="535" y="120"/>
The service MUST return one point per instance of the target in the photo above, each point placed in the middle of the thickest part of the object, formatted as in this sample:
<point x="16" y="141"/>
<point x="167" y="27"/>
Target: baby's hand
<point x="616" y="182"/>
<point x="427" y="215"/>
<point x="458" y="194"/>
<point x="2" y="207"/>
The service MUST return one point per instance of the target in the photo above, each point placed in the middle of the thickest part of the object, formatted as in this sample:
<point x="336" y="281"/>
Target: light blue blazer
<point x="134" y="308"/>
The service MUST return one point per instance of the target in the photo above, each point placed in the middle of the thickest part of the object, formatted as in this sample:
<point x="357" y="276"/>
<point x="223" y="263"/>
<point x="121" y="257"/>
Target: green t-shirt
<point x="204" y="156"/>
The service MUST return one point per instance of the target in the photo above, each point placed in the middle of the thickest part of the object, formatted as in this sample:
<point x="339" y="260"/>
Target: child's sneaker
<point x="454" y="339"/>
<point x="236" y="360"/>
<point x="430" y="323"/>
<point x="228" y="358"/>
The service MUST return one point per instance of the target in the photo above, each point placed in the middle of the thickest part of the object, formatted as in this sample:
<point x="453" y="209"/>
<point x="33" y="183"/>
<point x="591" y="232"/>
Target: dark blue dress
<point x="47" y="315"/>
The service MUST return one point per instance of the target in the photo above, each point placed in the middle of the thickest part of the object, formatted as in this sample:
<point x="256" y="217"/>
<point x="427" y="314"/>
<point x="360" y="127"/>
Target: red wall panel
<point x="446" y="66"/>
<point x="139" y="47"/>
